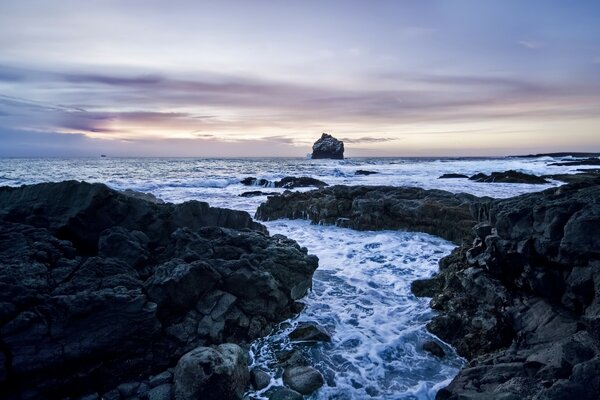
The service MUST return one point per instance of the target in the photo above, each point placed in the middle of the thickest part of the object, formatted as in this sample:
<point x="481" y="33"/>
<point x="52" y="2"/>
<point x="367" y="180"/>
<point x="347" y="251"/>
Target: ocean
<point x="361" y="290"/>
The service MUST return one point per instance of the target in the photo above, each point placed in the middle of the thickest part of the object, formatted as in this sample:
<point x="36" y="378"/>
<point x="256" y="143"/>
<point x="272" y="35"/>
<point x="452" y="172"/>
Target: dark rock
<point x="441" y="213"/>
<point x="161" y="379"/>
<point x="309" y="332"/>
<point x="510" y="176"/>
<point x="98" y="288"/>
<point x="364" y="172"/>
<point x="291" y="182"/>
<point x="434" y="348"/>
<point x="580" y="177"/>
<point x="142" y="196"/>
<point x="256" y="193"/>
<point x="128" y="389"/>
<point x="328" y="147"/>
<point x="452" y="176"/>
<point x="161" y="392"/>
<point x="251" y="181"/>
<point x="587" y="161"/>
<point x="303" y="379"/>
<point x="520" y="302"/>
<point x="212" y="374"/>
<point x="283" y="393"/>
<point x="259" y="379"/>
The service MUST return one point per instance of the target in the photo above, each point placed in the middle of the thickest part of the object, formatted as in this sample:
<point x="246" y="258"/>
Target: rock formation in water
<point x="289" y="182"/>
<point x="521" y="301"/>
<point x="586" y="161"/>
<point x="100" y="289"/>
<point x="328" y="147"/>
<point x="441" y="213"/>
<point x="510" y="176"/>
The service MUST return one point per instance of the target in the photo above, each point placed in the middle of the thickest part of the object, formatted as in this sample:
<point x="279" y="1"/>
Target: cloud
<point x="531" y="44"/>
<point x="368" y="139"/>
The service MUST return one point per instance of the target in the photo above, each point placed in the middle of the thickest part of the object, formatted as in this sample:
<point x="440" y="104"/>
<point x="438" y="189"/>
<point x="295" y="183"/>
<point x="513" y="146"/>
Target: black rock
<point x="586" y="161"/>
<point x="434" y="348"/>
<point x="452" y="176"/>
<point x="441" y="213"/>
<point x="256" y="193"/>
<point x="98" y="288"/>
<point x="328" y="147"/>
<point x="219" y="373"/>
<point x="309" y="332"/>
<point x="522" y="301"/>
<point x="510" y="176"/>
<point x="303" y="379"/>
<point x="259" y="379"/>
<point x="283" y="393"/>
<point x="365" y="172"/>
<point x="291" y="182"/>
<point x="251" y="181"/>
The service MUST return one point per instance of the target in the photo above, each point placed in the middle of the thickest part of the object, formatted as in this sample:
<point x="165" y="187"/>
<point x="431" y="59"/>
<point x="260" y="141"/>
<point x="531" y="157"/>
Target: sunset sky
<point x="265" y="78"/>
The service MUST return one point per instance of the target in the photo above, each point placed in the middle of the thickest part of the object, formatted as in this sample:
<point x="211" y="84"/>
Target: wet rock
<point x="291" y="182"/>
<point x="364" y="172"/>
<point x="303" y="379"/>
<point x="259" y="379"/>
<point x="445" y="214"/>
<point x="434" y="348"/>
<point x="161" y="379"/>
<point x="283" y="393"/>
<point x="142" y="196"/>
<point x="309" y="332"/>
<point x="256" y="193"/>
<point x="452" y="176"/>
<point x="252" y="181"/>
<point x="128" y="389"/>
<point x="119" y="288"/>
<point x="219" y="373"/>
<point x="328" y="147"/>
<point x="161" y="392"/>
<point x="510" y="176"/>
<point x="520" y="301"/>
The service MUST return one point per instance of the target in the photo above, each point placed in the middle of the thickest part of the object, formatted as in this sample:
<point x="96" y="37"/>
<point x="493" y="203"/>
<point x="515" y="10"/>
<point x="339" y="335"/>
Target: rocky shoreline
<point x="519" y="298"/>
<point x="102" y="290"/>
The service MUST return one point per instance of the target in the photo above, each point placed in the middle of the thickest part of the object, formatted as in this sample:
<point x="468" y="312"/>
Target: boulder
<point x="309" y="332"/>
<point x="291" y="182"/>
<point x="364" y="172"/>
<point x="259" y="379"/>
<point x="434" y="348"/>
<point x="303" y="379"/>
<point x="328" y="147"/>
<point x="219" y="373"/>
<point x="283" y="393"/>
<point x="255" y="193"/>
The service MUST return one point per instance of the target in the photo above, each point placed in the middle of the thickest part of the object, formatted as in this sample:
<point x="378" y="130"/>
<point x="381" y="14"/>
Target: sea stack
<point x="328" y="147"/>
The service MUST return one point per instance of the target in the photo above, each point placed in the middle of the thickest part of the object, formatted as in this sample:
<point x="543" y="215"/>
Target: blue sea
<point x="361" y="290"/>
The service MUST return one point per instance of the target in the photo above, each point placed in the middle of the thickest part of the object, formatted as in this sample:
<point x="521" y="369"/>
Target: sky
<point x="266" y="78"/>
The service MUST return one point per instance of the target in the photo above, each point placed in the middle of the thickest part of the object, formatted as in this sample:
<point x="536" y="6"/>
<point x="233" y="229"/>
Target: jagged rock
<point x="521" y="302"/>
<point x="161" y="392"/>
<point x="142" y="196"/>
<point x="212" y="374"/>
<point x="98" y="288"/>
<point x="251" y="181"/>
<point x="441" y="213"/>
<point x="328" y="147"/>
<point x="303" y="379"/>
<point x="309" y="332"/>
<point x="510" y="176"/>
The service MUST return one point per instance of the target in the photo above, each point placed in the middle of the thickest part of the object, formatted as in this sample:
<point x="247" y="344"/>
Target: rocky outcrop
<point x="510" y="176"/>
<point x="364" y="172"/>
<point x="256" y="193"/>
<point x="441" y="213"/>
<point x="586" y="161"/>
<point x="328" y="147"/>
<point x="98" y="288"/>
<point x="583" y="176"/>
<point x="289" y="182"/>
<point x="522" y="303"/>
